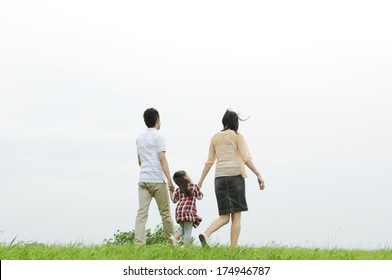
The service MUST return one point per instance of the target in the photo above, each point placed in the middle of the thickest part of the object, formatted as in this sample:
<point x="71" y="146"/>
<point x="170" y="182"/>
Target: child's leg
<point x="187" y="233"/>
<point x="180" y="232"/>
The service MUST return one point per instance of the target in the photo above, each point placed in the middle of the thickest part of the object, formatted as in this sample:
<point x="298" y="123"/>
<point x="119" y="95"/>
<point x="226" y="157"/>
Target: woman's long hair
<point x="231" y="120"/>
<point x="179" y="179"/>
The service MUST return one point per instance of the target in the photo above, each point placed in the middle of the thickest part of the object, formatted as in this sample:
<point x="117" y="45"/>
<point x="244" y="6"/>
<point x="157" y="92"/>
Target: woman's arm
<point x="210" y="162"/>
<point x="252" y="167"/>
<point x="204" y="173"/>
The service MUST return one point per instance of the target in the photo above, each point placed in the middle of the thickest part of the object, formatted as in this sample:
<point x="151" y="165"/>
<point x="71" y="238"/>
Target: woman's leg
<point x="217" y="224"/>
<point x="235" y="228"/>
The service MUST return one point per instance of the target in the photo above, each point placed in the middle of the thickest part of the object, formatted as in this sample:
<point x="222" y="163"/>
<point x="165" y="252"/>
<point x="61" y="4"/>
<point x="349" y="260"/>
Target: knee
<point x="236" y="217"/>
<point x="165" y="212"/>
<point x="225" y="219"/>
<point x="166" y="216"/>
<point x="142" y="215"/>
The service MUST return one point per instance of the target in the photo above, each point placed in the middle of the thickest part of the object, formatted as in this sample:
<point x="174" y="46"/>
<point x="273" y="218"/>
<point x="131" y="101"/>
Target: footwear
<point x="174" y="240"/>
<point x="204" y="240"/>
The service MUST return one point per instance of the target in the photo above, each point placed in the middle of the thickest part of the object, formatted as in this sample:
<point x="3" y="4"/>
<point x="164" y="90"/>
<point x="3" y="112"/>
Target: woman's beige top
<point x="230" y="151"/>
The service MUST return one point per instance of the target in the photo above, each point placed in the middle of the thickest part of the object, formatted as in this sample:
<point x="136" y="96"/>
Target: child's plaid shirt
<point x="186" y="210"/>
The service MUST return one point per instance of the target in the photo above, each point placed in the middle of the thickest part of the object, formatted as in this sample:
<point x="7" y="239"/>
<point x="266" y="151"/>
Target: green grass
<point x="36" y="251"/>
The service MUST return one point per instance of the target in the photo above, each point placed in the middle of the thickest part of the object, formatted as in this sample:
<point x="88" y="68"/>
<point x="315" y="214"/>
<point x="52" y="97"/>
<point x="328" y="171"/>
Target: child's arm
<point x="173" y="196"/>
<point x="199" y="195"/>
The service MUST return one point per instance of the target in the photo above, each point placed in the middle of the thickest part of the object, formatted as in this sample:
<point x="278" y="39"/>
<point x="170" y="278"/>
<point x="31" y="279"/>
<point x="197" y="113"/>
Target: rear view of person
<point x="151" y="150"/>
<point x="230" y="151"/>
<point x="186" y="211"/>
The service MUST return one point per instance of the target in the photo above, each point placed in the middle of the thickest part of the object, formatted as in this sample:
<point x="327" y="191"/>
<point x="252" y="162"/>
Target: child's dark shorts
<point x="230" y="194"/>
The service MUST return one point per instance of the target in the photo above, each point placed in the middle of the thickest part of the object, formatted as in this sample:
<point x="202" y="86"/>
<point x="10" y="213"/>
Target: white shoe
<point x="174" y="240"/>
<point x="204" y="239"/>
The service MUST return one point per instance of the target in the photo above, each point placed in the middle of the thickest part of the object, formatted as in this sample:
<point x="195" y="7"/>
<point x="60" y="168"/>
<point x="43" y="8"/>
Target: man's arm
<point x="165" y="168"/>
<point x="171" y="196"/>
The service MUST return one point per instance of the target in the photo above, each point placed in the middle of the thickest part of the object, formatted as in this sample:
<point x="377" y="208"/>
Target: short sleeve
<point x="176" y="196"/>
<point x="211" y="153"/>
<point x="161" y="144"/>
<point x="243" y="149"/>
<point x="199" y="195"/>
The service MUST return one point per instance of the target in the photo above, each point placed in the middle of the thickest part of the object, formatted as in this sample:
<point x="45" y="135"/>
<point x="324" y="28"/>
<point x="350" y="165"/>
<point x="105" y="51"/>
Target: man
<point x="151" y="150"/>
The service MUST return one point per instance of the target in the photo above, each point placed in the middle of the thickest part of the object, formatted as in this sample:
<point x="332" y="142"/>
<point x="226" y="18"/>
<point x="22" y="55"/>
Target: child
<point x="186" y="212"/>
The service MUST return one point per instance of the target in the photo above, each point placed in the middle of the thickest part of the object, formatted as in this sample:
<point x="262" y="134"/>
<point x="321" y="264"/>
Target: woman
<point x="229" y="149"/>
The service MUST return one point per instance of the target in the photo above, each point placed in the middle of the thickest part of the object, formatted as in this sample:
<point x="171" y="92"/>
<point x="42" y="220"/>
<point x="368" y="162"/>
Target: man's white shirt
<point x="149" y="144"/>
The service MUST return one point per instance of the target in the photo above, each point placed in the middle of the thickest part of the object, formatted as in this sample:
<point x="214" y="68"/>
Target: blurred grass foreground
<point x="121" y="247"/>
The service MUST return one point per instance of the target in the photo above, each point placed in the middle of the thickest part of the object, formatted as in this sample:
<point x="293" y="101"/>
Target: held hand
<point x="261" y="182"/>
<point x="200" y="184"/>
<point x="170" y="185"/>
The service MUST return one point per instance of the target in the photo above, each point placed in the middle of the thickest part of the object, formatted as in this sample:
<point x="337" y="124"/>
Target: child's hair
<point x="179" y="179"/>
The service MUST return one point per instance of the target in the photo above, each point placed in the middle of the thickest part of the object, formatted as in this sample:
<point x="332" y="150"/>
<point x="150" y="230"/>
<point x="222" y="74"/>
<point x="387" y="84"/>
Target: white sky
<point x="315" y="79"/>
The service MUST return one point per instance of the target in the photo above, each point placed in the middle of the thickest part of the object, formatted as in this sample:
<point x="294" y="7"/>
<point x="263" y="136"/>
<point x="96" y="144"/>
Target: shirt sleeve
<point x="175" y="198"/>
<point x="243" y="149"/>
<point x="161" y="144"/>
<point x="211" y="154"/>
<point x="199" y="195"/>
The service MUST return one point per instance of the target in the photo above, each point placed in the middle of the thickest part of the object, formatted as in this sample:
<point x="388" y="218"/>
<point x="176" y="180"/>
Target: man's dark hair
<point x="151" y="117"/>
<point x="179" y="179"/>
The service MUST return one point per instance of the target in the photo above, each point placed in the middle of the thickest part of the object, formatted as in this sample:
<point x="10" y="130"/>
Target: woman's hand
<point x="261" y="182"/>
<point x="254" y="170"/>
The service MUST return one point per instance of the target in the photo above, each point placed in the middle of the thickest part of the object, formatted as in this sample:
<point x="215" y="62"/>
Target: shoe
<point x="174" y="240"/>
<point x="204" y="240"/>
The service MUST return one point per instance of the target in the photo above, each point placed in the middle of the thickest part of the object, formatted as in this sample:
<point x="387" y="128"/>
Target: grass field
<point x="164" y="252"/>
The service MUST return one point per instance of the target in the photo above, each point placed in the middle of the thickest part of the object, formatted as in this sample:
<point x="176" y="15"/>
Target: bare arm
<point x="252" y="167"/>
<point x="210" y="162"/>
<point x="165" y="168"/>
<point x="204" y="173"/>
<point x="172" y="195"/>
